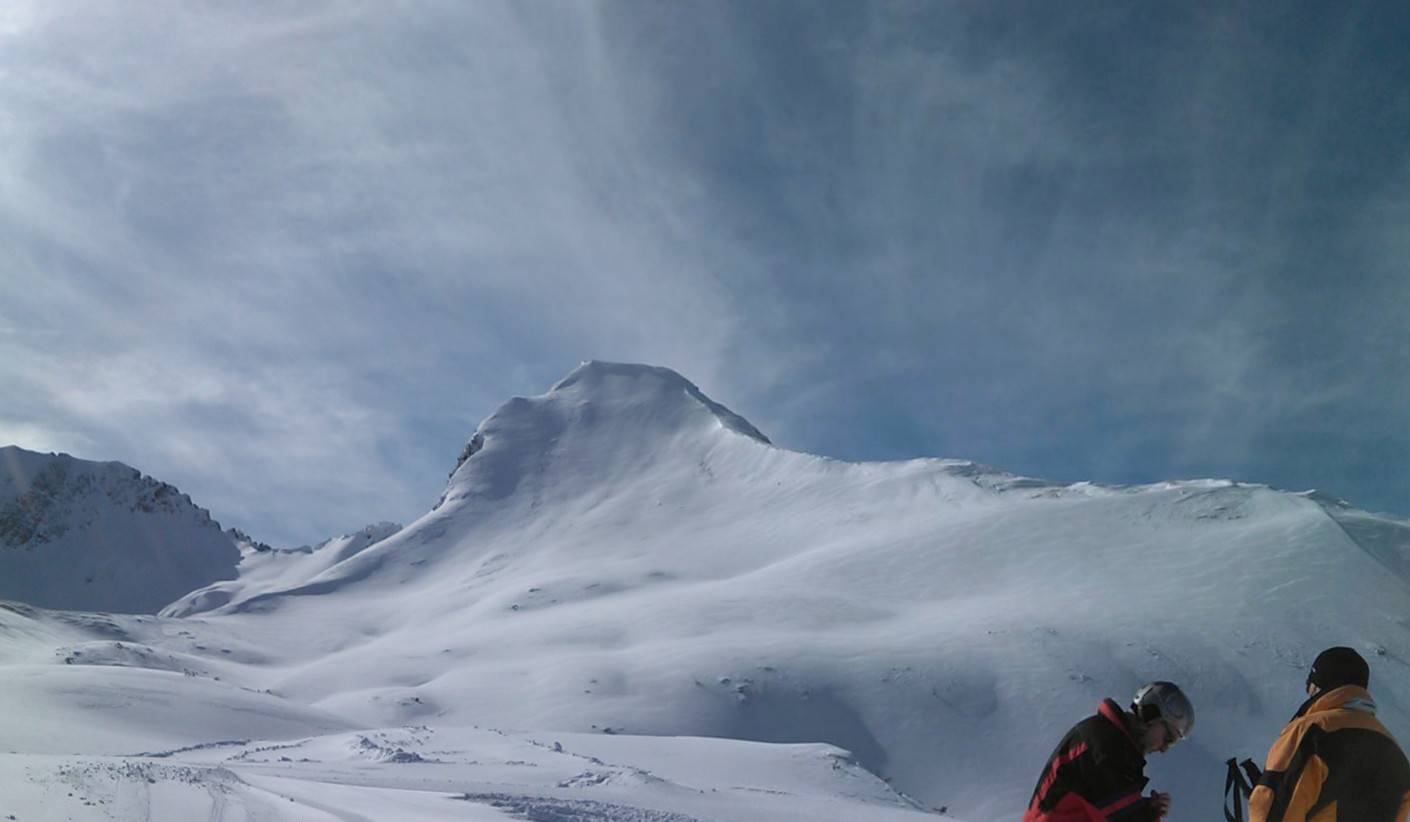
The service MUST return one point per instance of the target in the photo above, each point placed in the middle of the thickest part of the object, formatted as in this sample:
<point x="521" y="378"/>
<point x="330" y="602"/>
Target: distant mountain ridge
<point x="101" y="536"/>
<point x="44" y="494"/>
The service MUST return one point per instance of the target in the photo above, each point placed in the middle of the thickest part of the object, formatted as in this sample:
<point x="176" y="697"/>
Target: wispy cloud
<point x="277" y="253"/>
<point x="287" y="258"/>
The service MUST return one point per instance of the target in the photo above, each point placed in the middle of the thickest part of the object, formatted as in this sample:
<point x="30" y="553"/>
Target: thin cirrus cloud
<point x="1079" y="241"/>
<point x="288" y="263"/>
<point x="286" y="259"/>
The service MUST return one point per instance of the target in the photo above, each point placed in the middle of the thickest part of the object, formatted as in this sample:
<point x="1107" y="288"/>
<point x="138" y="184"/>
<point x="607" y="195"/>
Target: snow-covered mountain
<point x="623" y="553"/>
<point x="624" y="556"/>
<point x="101" y="536"/>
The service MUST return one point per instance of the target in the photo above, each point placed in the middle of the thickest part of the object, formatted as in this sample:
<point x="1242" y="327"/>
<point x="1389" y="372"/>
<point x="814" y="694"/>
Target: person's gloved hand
<point x="1161" y="802"/>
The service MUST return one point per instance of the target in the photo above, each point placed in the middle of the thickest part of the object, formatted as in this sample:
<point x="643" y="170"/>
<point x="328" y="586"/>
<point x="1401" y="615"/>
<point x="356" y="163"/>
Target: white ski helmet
<point x="1165" y="700"/>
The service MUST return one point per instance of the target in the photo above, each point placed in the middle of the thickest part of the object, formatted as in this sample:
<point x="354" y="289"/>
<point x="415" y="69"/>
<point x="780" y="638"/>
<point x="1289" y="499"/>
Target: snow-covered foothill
<point x="113" y="732"/>
<point x="425" y="773"/>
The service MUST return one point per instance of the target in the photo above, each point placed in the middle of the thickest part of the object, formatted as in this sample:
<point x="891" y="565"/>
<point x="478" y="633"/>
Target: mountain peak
<point x="595" y="380"/>
<point x="604" y="419"/>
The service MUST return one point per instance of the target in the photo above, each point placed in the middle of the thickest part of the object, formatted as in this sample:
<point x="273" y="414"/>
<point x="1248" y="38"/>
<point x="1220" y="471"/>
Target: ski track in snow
<point x="546" y="809"/>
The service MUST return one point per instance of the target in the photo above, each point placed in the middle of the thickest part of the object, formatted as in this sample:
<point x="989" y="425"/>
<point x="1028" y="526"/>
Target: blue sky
<point x="287" y="257"/>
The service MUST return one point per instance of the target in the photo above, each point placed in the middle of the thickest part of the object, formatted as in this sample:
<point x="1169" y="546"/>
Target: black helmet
<point x="1339" y="666"/>
<point x="1165" y="700"/>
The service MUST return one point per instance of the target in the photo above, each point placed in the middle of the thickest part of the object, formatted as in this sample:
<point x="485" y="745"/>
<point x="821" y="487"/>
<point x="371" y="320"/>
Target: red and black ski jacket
<point x="1096" y="774"/>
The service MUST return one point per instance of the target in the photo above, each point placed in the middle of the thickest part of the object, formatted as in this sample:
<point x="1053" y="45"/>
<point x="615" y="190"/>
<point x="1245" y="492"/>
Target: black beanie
<point x="1339" y="666"/>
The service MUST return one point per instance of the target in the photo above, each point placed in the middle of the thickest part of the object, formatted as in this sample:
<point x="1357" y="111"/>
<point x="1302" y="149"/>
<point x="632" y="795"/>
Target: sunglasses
<point x="1170" y="733"/>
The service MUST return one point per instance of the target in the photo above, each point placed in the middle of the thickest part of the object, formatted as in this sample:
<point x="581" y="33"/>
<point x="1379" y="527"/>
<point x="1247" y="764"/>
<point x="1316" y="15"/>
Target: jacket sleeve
<point x="1293" y="777"/>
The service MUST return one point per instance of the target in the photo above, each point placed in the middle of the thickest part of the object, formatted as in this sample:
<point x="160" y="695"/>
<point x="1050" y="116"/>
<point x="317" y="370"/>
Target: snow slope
<point x="263" y="569"/>
<point x="101" y="536"/>
<point x="421" y="773"/>
<point x="622" y="556"/>
<point x="111" y="717"/>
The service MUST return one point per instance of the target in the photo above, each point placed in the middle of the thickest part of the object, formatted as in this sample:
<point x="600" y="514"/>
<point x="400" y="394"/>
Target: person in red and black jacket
<point x="1097" y="772"/>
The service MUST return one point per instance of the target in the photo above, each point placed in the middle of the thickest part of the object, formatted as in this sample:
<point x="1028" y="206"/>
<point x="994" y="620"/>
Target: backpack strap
<point x="1238" y="786"/>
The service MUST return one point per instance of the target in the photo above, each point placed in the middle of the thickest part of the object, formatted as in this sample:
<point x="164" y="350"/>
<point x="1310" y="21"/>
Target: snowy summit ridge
<point x="614" y="413"/>
<point x="646" y="385"/>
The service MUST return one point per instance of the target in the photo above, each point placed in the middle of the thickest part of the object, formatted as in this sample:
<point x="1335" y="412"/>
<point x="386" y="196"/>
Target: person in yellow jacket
<point x="1334" y="762"/>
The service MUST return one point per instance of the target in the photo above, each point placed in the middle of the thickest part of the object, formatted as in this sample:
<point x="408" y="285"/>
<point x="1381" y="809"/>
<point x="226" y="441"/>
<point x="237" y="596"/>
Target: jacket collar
<point x="1118" y="717"/>
<point x="1349" y="697"/>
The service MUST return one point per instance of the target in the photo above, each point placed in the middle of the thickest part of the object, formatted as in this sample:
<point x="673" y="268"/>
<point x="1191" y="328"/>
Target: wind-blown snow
<point x="622" y="556"/>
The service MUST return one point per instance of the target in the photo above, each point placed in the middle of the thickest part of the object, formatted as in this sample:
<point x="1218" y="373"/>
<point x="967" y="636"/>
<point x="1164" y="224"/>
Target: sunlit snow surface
<point x="444" y="773"/>
<point x="620" y="567"/>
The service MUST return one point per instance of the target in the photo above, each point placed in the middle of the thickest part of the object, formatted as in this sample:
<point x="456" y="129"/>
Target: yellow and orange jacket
<point x="1334" y="762"/>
